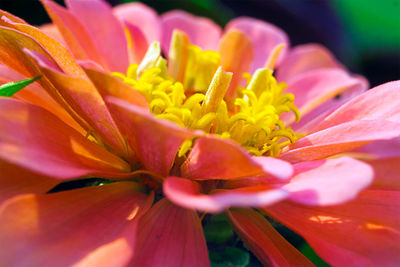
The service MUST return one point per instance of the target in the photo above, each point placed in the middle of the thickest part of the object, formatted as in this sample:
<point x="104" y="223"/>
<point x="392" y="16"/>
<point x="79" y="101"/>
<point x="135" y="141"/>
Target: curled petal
<point x="328" y="182"/>
<point x="216" y="158"/>
<point x="186" y="193"/>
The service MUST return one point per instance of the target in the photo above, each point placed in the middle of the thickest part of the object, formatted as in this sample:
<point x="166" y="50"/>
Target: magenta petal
<point x="201" y="31"/>
<point x="92" y="226"/>
<point x="186" y="193"/>
<point x="216" y="158"/>
<point x="264" y="36"/>
<point x="143" y="17"/>
<point x="105" y="30"/>
<point x="328" y="182"/>
<point x="170" y="236"/>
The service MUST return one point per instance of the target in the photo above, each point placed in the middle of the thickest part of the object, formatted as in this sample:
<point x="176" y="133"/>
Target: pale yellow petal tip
<point x="273" y="57"/>
<point x="150" y="58"/>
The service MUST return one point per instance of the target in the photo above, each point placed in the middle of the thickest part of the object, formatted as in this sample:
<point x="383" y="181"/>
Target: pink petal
<point x="35" y="139"/>
<point x="381" y="102"/>
<point x="143" y="17"/>
<point x="264" y="241"/>
<point x="201" y="31"/>
<point x="155" y="141"/>
<point x="264" y="36"/>
<point x="304" y="58"/>
<point x="328" y="182"/>
<point x="138" y="44"/>
<point x="170" y="236"/>
<point x="91" y="226"/>
<point x="315" y="88"/>
<point x="15" y="180"/>
<point x="340" y="138"/>
<point x="187" y="193"/>
<point x="364" y="232"/>
<point x="216" y="158"/>
<point x="104" y="29"/>
<point x="73" y="32"/>
<point x="381" y="149"/>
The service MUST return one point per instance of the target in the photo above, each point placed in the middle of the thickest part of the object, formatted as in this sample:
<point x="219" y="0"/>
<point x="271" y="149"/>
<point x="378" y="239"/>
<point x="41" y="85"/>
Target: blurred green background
<point x="363" y="34"/>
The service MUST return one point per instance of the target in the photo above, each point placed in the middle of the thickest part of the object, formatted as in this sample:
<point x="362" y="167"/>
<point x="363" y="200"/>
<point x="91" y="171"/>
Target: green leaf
<point x="307" y="251"/>
<point x="231" y="256"/>
<point x="218" y="230"/>
<point x="9" y="89"/>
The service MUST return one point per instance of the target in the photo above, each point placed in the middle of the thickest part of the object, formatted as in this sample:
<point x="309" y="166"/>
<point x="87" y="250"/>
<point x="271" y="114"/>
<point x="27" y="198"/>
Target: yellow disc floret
<point x="198" y="102"/>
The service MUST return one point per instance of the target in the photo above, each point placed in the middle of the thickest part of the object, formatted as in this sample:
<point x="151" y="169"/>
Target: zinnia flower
<point x="212" y="127"/>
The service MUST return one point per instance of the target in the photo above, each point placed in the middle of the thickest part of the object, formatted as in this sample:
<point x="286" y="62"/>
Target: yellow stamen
<point x="190" y="96"/>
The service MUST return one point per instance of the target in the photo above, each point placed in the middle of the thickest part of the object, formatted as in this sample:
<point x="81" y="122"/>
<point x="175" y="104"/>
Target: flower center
<point x="197" y="102"/>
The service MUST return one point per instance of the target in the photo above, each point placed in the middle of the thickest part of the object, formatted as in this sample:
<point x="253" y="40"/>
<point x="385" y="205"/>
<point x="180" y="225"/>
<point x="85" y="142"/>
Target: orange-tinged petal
<point x="37" y="140"/>
<point x="15" y="180"/>
<point x="264" y="37"/>
<point x="304" y="58"/>
<point x="155" y="141"/>
<point x="170" y="236"/>
<point x="83" y="96"/>
<point x="187" y="193"/>
<point x="36" y="95"/>
<point x="58" y="52"/>
<point x="13" y="47"/>
<point x="109" y="85"/>
<point x="201" y="31"/>
<point x="236" y="56"/>
<point x="364" y="232"/>
<point x="264" y="241"/>
<point x="82" y="227"/>
<point x="51" y="30"/>
<point x="216" y="158"/>
<point x="73" y="32"/>
<point x="107" y="32"/>
<point x="137" y="43"/>
<point x="142" y="16"/>
<point x="341" y="138"/>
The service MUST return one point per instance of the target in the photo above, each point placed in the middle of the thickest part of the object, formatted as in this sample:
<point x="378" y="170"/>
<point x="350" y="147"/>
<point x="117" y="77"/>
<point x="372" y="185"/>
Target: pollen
<point x="189" y="90"/>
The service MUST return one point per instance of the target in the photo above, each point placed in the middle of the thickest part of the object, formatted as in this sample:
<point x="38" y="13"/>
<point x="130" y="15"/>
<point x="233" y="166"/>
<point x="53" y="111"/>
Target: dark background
<point x="363" y="34"/>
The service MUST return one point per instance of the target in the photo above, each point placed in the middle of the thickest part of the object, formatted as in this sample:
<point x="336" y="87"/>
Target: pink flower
<point x="85" y="118"/>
